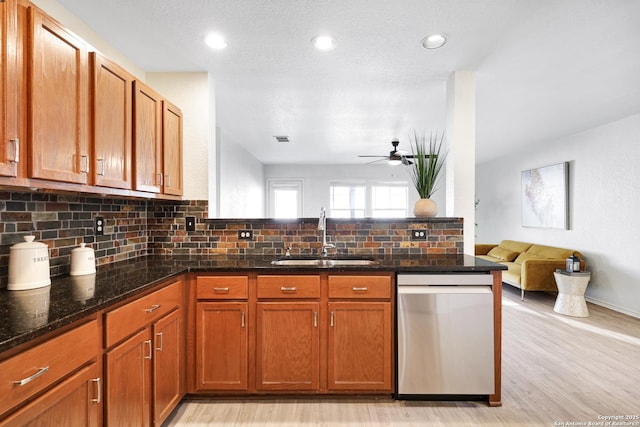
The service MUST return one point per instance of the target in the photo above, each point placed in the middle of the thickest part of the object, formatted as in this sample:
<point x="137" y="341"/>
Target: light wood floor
<point x="556" y="370"/>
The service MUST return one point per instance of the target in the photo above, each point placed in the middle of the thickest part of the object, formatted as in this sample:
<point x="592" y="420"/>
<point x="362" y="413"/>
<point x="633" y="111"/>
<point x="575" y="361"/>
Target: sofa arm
<point x="537" y="274"/>
<point x="483" y="248"/>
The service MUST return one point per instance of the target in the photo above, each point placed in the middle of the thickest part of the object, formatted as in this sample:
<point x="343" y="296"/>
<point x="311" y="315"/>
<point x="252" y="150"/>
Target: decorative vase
<point x="425" y="208"/>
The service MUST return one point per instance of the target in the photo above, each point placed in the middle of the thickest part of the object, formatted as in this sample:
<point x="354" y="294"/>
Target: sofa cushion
<point x="515" y="246"/>
<point x="512" y="274"/>
<point x="549" y="252"/>
<point x="503" y="254"/>
<point x="525" y="256"/>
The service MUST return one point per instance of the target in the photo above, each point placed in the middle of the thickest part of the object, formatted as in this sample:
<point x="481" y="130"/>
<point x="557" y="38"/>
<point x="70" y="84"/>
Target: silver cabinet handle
<point x="98" y="390"/>
<point x="84" y="165"/>
<point x="360" y="289"/>
<point x="148" y="342"/>
<point x="221" y="290"/>
<point x="160" y="336"/>
<point x="168" y="181"/>
<point x="27" y="380"/>
<point x="160" y="179"/>
<point x="288" y="288"/>
<point x="152" y="308"/>
<point x="101" y="161"/>
<point x="16" y="150"/>
<point x="331" y="319"/>
<point x="315" y="319"/>
<point x="242" y="319"/>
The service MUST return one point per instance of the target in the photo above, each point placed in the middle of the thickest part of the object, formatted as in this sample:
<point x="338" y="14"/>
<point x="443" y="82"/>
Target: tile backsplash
<point x="136" y="227"/>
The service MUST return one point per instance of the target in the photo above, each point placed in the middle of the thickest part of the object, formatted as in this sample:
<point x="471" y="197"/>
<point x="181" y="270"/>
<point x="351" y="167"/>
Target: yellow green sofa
<point x="530" y="266"/>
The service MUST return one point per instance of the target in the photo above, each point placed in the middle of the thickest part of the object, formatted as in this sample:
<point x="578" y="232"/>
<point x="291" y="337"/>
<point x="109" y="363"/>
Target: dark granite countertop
<point x="25" y="315"/>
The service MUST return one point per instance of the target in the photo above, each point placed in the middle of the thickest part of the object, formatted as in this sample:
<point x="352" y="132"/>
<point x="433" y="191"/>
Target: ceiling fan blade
<point x="376" y="161"/>
<point x="372" y="156"/>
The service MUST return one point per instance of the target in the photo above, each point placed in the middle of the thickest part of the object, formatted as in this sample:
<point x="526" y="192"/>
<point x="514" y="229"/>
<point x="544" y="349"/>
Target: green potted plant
<point x="427" y="161"/>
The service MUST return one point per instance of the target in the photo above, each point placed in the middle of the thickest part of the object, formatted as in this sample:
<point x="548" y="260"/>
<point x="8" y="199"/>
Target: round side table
<point x="571" y="288"/>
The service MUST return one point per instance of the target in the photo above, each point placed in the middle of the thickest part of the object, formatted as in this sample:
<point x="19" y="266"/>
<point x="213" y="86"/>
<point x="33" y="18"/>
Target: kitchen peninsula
<point x="103" y="306"/>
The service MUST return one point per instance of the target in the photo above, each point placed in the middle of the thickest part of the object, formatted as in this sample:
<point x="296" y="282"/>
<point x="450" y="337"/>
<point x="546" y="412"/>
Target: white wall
<point x="316" y="180"/>
<point x="191" y="93"/>
<point x="241" y="178"/>
<point x="604" y="192"/>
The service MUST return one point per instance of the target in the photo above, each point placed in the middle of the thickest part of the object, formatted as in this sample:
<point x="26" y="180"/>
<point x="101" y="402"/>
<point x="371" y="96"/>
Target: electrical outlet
<point x="418" y="234"/>
<point x="190" y="223"/>
<point x="98" y="226"/>
<point x="245" y="234"/>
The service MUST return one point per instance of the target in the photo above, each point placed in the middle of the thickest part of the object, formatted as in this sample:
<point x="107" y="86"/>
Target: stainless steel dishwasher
<point x="444" y="335"/>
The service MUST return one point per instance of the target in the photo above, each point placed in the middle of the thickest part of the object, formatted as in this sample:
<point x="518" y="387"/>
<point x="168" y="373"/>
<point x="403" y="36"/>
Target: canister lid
<point x="28" y="243"/>
<point x="82" y="248"/>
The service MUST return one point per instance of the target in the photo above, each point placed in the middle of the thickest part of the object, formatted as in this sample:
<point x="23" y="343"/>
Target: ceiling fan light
<point x="395" y="162"/>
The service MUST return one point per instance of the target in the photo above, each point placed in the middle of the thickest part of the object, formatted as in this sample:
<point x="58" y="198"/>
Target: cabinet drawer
<point x="124" y="321"/>
<point x="288" y="286"/>
<point x="29" y="372"/>
<point x="360" y="287"/>
<point x="222" y="287"/>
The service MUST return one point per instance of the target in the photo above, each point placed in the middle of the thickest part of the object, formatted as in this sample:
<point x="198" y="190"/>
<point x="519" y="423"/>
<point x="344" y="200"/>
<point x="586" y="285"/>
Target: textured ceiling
<point x="544" y="68"/>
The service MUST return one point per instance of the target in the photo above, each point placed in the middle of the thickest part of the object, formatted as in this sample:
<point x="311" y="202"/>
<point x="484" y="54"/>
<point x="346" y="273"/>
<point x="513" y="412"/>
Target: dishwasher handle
<point x="426" y="289"/>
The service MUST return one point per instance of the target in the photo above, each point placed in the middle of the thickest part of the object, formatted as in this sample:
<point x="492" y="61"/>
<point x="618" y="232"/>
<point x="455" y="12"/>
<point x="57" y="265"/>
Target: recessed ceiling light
<point x="215" y="41"/>
<point x="323" y="42"/>
<point x="434" y="41"/>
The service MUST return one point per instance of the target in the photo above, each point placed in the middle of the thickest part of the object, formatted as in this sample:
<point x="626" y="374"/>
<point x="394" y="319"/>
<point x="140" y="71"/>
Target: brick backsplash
<point x="135" y="227"/>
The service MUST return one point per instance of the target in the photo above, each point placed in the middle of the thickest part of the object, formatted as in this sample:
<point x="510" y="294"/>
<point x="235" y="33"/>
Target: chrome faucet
<point x="322" y="226"/>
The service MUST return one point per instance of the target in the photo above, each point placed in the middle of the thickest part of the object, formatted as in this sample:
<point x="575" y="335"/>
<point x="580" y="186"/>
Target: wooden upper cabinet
<point x="58" y="102"/>
<point x="172" y="148"/>
<point x="111" y="125"/>
<point x="147" y="136"/>
<point x="10" y="143"/>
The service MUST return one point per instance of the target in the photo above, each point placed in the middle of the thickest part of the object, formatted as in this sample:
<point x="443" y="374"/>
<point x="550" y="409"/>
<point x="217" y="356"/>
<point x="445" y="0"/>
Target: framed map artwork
<point x="545" y="196"/>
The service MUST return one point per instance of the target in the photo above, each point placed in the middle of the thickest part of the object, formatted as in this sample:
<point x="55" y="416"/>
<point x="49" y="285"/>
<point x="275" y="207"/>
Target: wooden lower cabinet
<point x="288" y="346"/>
<point x="359" y="347"/>
<point x="74" y="402"/>
<point x="168" y="365"/>
<point x="222" y="358"/>
<point x="128" y="381"/>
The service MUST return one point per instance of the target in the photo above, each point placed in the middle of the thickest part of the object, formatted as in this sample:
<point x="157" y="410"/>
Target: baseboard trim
<point x="613" y="307"/>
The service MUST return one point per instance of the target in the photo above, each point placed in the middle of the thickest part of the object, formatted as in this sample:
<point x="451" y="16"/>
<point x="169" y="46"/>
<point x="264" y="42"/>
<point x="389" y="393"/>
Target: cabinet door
<point x="9" y="144"/>
<point x="147" y="138"/>
<point x="360" y="346"/>
<point x="57" y="104"/>
<point x="128" y="381"/>
<point x="168" y="366"/>
<point x="288" y="346"/>
<point x="221" y="344"/>
<point x="172" y="148"/>
<point x="74" y="402"/>
<point x="112" y="116"/>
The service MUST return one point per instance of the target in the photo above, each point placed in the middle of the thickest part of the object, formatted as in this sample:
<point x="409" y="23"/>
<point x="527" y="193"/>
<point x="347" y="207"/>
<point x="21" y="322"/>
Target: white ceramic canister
<point x="83" y="261"/>
<point x="28" y="265"/>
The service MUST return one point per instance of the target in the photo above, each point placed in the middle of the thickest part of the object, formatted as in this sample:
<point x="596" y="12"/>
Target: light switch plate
<point x="245" y="234"/>
<point x="418" y="234"/>
<point x="190" y="223"/>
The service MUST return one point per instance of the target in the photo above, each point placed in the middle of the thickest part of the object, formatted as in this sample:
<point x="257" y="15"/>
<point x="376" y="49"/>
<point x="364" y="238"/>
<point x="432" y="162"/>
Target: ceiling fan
<point x="395" y="156"/>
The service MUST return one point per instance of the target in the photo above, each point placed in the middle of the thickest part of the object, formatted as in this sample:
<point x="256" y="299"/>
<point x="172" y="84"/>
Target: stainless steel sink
<point x="322" y="262"/>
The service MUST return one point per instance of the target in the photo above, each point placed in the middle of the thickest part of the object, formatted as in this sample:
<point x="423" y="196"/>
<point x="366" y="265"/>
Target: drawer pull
<point x="152" y="308"/>
<point x="331" y="318"/>
<point x="98" y="390"/>
<point x="315" y="319"/>
<point x="242" y="319"/>
<point x="150" y="354"/>
<point x="288" y="288"/>
<point x="27" y="380"/>
<point x="365" y="289"/>
<point x="221" y="290"/>
<point x="160" y="337"/>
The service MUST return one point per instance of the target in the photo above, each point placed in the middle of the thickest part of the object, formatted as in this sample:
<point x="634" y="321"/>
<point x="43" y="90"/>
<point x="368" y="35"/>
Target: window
<point x="285" y="198"/>
<point x="375" y="200"/>
<point x="389" y="200"/>
<point x="347" y="200"/>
